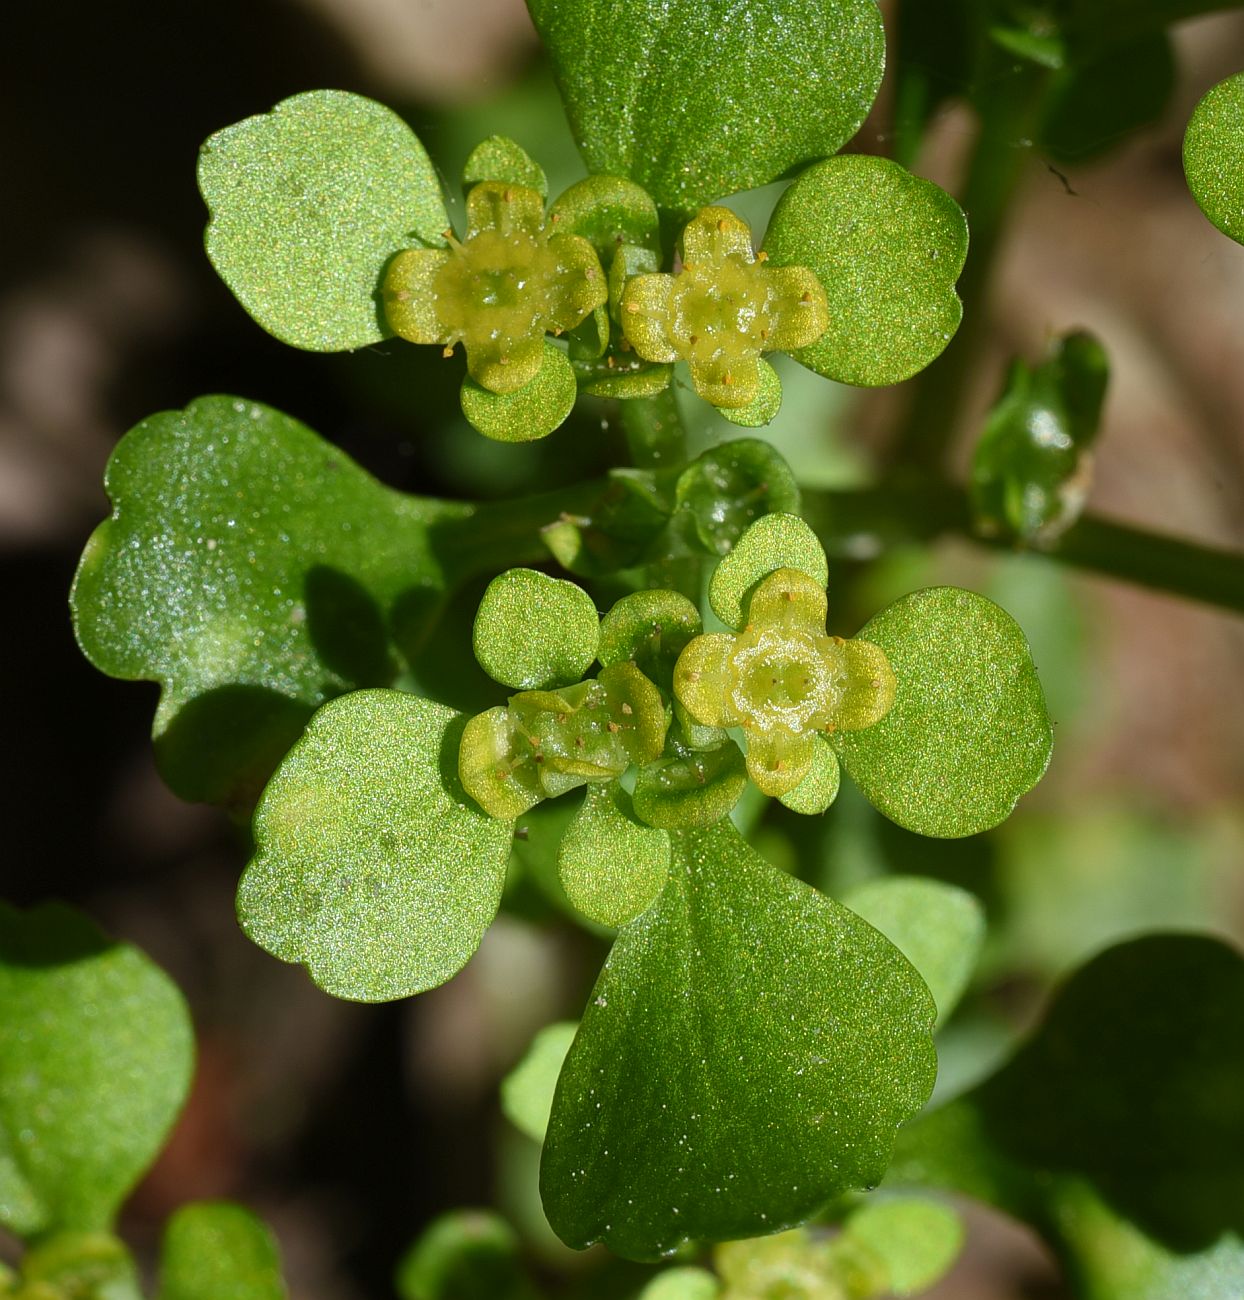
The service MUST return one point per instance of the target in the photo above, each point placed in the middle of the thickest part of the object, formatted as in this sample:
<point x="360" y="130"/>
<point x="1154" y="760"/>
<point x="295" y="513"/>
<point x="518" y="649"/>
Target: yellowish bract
<point x="783" y="680"/>
<point x="722" y="310"/>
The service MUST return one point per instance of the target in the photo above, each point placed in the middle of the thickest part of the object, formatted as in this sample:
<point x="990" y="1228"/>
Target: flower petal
<point x="646" y="314"/>
<point x="789" y="600"/>
<point x="702" y="680"/>
<point x="803" y="314"/>
<point x="727" y="382"/>
<point x="506" y="208"/>
<point x="409" y="295"/>
<point x="714" y="234"/>
<point x="777" y="761"/>
<point x="870" y="686"/>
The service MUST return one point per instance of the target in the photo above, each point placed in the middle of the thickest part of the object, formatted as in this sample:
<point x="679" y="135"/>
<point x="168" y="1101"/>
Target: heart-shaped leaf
<point x="1214" y="156"/>
<point x="527" y="1091"/>
<point x="535" y="633"/>
<point x="372" y="867"/>
<point x="776" y="541"/>
<point x="308" y="203"/>
<point x="214" y="1250"/>
<point x="888" y="248"/>
<point x="254" y="572"/>
<point x="968" y="732"/>
<point x="96" y="1052"/>
<point x="939" y="928"/>
<point x="769" y="1041"/>
<point x="706" y="97"/>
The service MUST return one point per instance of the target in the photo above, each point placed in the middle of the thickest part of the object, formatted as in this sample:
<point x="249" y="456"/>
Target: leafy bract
<point x="527" y="1091"/>
<point x="96" y="1053"/>
<point x="465" y="1255"/>
<point x="308" y="203"/>
<point x="819" y="788"/>
<point x="769" y="1041"/>
<point x="530" y="412"/>
<point x="774" y="541"/>
<point x="1214" y="156"/>
<point x="939" y="928"/>
<point x="501" y="159"/>
<point x="699" y="99"/>
<point x="254" y="572"/>
<point x="214" y="1250"/>
<point x="534" y="632"/>
<point x="968" y="732"/>
<point x="727" y="488"/>
<point x="372" y="867"/>
<point x="888" y="248"/>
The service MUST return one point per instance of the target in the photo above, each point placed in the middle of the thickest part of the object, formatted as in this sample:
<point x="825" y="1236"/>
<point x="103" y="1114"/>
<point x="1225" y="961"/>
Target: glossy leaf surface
<point x="96" y="1052"/>
<point x="888" y="248"/>
<point x="372" y="867"/>
<point x="308" y="203"/>
<point x="968" y="732"/>
<point x="1214" y="156"/>
<point x="214" y="1250"/>
<point x="727" y="488"/>
<point x="254" y="572"/>
<point x="939" y="928"/>
<point x="770" y="1041"/>
<point x="702" y="98"/>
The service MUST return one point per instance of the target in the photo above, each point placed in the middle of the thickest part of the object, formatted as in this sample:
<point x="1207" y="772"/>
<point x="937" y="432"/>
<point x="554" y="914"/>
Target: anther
<point x="613" y="727"/>
<point x="626" y="708"/>
<point x="448" y="350"/>
<point x="762" y="256"/>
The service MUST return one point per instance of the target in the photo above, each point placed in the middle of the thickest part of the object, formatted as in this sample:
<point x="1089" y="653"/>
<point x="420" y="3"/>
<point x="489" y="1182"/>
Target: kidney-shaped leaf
<point x="96" y="1053"/>
<point x="748" y="1052"/>
<point x="254" y="572"/>
<point x="372" y="867"/>
<point x="214" y="1250"/>
<point x="308" y="203"/>
<point x="968" y="733"/>
<point x="698" y="99"/>
<point x="1214" y="156"/>
<point x="888" y="248"/>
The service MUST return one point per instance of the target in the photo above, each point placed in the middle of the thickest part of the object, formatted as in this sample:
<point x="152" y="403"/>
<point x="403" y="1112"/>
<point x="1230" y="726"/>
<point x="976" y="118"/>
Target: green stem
<point x="1009" y="105"/>
<point x="655" y="432"/>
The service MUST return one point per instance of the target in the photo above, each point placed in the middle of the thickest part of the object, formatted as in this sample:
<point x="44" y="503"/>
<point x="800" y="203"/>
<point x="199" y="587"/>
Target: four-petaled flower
<point x="783" y="680"/>
<point x="510" y="281"/>
<point x="722" y="310"/>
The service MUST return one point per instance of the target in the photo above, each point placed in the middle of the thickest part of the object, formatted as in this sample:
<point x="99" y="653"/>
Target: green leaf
<point x="308" y="203"/>
<point x="774" y="541"/>
<point x="73" y="1265"/>
<point x="527" y="1091"/>
<point x="1030" y="475"/>
<point x="96" y="1052"/>
<point x="727" y="488"/>
<point x="764" y="408"/>
<point x="650" y="628"/>
<point x="611" y="213"/>
<point x="691" y="787"/>
<point x="888" y="248"/>
<point x="968" y="732"/>
<point x="371" y="866"/>
<point x="465" y="1255"/>
<point x="500" y="159"/>
<point x="214" y="1250"/>
<point x="530" y="412"/>
<point x="1214" y="156"/>
<point x="254" y="572"/>
<point x="701" y="99"/>
<point x="917" y="1239"/>
<point x="813" y="795"/>
<point x="535" y="633"/>
<point x="939" y="928"/>
<point x="612" y="866"/>
<point x="682" y="1284"/>
<point x="769" y="1040"/>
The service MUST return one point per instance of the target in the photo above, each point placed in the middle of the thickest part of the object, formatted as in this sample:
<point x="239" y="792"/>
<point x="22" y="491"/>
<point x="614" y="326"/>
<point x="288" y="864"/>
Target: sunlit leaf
<point x="527" y="1091"/>
<point x="308" y="203"/>
<point x="1214" y="156"/>
<point x="254" y="572"/>
<point x="96" y="1053"/>
<point x="698" y="100"/>
<point x="968" y="732"/>
<point x="530" y="412"/>
<point x="769" y="1040"/>
<point x="774" y="541"/>
<point x="214" y="1250"/>
<point x="372" y="867"/>
<point x="888" y="248"/>
<point x="500" y="159"/>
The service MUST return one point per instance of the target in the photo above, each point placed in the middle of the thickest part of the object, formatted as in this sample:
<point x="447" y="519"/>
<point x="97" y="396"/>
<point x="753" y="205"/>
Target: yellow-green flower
<point x="783" y="680"/>
<point x="722" y="310"/>
<point x="511" y="280"/>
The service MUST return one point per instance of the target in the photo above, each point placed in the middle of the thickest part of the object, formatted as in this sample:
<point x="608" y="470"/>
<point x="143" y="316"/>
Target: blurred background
<point x="347" y="1127"/>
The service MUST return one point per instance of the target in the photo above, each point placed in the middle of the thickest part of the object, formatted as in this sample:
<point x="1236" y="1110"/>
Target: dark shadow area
<point x="347" y="628"/>
<point x="51" y="934"/>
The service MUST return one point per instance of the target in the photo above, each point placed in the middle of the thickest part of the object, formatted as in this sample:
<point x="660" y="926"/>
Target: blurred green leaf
<point x="465" y="1255"/>
<point x="939" y="928"/>
<point x="254" y="572"/>
<point x="1214" y="156"/>
<point x="707" y="97"/>
<point x="682" y="1284"/>
<point x="533" y="632"/>
<point x="501" y="159"/>
<point x="527" y="1091"/>
<point x="96" y="1053"/>
<point x="308" y="203"/>
<point x="774" y="541"/>
<point x="888" y="248"/>
<point x="916" y="1239"/>
<point x="214" y="1250"/>
<point x="968" y="733"/>
<point x="79" y="1266"/>
<point x="372" y="867"/>
<point x="788" y="1264"/>
<point x="765" y="1086"/>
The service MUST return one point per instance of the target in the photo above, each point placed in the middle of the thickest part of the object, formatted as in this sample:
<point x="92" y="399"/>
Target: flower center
<point x="784" y="679"/>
